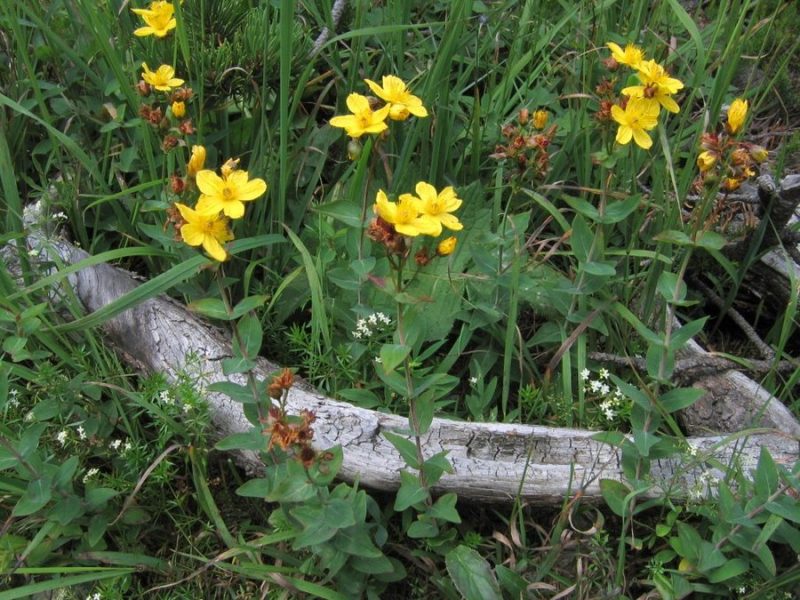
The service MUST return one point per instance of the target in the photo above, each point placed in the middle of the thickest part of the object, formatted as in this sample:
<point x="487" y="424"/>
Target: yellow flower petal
<point x="642" y="139"/>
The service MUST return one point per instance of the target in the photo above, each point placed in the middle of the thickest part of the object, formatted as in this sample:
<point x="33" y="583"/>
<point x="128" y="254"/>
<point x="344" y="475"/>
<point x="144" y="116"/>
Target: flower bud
<point x="446" y="246"/>
<point x="178" y="109"/>
<point x="353" y="149"/>
<point x="540" y="118"/>
<point x="196" y="161"/>
<point x="759" y="153"/>
<point x="706" y="161"/>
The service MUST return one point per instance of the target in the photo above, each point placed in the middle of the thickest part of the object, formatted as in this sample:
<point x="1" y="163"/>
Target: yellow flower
<point x="178" y="109"/>
<point x="405" y="215"/>
<point x="401" y="101"/>
<point x="540" y="118"/>
<point x="163" y="78"/>
<point x="737" y="113"/>
<point x="446" y="246"/>
<point x="631" y="56"/>
<point x="705" y="161"/>
<point x="158" y="17"/>
<point x="364" y="119"/>
<point x="439" y="206"/>
<point x="227" y="194"/>
<point x="196" y="161"/>
<point x="638" y="117"/>
<point x="657" y="86"/>
<point x="207" y="230"/>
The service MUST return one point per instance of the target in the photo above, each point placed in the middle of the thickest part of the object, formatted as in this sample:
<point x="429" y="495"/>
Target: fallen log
<point x="491" y="461"/>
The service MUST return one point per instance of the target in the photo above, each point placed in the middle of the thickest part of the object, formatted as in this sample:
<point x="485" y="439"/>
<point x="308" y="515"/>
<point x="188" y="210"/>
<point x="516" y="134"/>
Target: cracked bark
<point x="492" y="461"/>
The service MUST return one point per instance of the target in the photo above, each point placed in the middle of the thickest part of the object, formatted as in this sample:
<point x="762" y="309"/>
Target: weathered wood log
<point x="491" y="461"/>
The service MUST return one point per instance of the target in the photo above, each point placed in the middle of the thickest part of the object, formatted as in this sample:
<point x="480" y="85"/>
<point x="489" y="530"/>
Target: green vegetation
<point x="582" y="194"/>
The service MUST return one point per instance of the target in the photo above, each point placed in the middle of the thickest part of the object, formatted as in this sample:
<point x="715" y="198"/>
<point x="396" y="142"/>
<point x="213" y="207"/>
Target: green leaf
<point x="344" y="211"/>
<point x="773" y="522"/>
<point x="234" y="391"/>
<point x="710" y="240"/>
<point x="511" y="583"/>
<point x="97" y="498"/>
<point x="392" y="355"/>
<point x="213" y="308"/>
<point x="406" y="448"/>
<point x="423" y="528"/>
<point x="615" y="494"/>
<point x="248" y="342"/>
<point x="241" y="364"/>
<point x="250" y="440"/>
<point x="374" y="566"/>
<point x="684" y="334"/>
<point x="356" y="541"/>
<point x="255" y="488"/>
<point x="37" y="494"/>
<point x="471" y="574"/>
<point x="785" y="507"/>
<point x="671" y="287"/>
<point x="601" y="269"/>
<point x="680" y="398"/>
<point x="435" y="466"/>
<point x="733" y="568"/>
<point x="445" y="508"/>
<point x="766" y="477"/>
<point x="617" y="211"/>
<point x="674" y="237"/>
<point x="245" y="305"/>
<point x="410" y="492"/>
<point x="581" y="239"/>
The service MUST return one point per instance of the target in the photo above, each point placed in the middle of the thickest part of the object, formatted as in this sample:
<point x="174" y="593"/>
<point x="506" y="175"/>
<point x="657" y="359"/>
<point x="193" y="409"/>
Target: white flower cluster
<point x="600" y="387"/>
<point x="95" y="596"/>
<point x="91" y="473"/>
<point x="702" y="484"/>
<point x="366" y="327"/>
<point x="13" y="401"/>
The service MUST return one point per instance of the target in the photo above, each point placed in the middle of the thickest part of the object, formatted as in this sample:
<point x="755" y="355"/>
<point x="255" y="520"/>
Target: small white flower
<point x="384" y="319"/>
<point x="742" y="589"/>
<point x="165" y="398"/>
<point x="595" y="385"/>
<point x="60" y="216"/>
<point x="62" y="437"/>
<point x="13" y="401"/>
<point x="473" y="380"/>
<point x="692" y="449"/>
<point x="81" y="432"/>
<point x="585" y="374"/>
<point x="34" y="252"/>
<point x="29" y="416"/>
<point x="115" y="444"/>
<point x="186" y="407"/>
<point x="604" y="389"/>
<point x="378" y="359"/>
<point x="356" y="334"/>
<point x="90" y="474"/>
<point x="603" y="374"/>
<point x="127" y="447"/>
<point x="618" y="395"/>
<point x="373" y="319"/>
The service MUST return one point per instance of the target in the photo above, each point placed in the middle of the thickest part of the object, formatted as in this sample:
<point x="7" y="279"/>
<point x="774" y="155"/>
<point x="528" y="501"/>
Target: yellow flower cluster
<point x="222" y="198"/>
<point x="425" y="213"/>
<point x="726" y="160"/>
<point x="158" y="17"/>
<point x="399" y="104"/>
<point x="638" y="114"/>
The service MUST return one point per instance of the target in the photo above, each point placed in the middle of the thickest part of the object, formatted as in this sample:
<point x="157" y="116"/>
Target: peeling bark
<point x="491" y="461"/>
